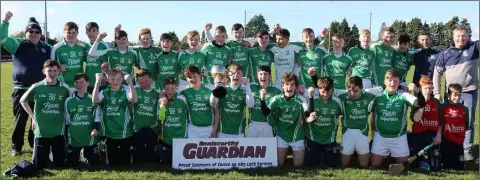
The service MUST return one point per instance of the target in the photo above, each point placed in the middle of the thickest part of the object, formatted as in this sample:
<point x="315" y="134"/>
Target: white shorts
<point x="367" y="83"/>
<point x="397" y="147"/>
<point x="222" y="135"/>
<point x="354" y="141"/>
<point x="296" y="146"/>
<point x="259" y="129"/>
<point x="195" y="132"/>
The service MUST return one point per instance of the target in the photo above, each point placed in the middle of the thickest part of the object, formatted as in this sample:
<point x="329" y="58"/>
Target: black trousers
<point x="145" y="141"/>
<point x="119" y="151"/>
<point x="21" y="118"/>
<point x="417" y="142"/>
<point x="451" y="154"/>
<point x="90" y="153"/>
<point x="315" y="153"/>
<point x="41" y="151"/>
<point x="165" y="153"/>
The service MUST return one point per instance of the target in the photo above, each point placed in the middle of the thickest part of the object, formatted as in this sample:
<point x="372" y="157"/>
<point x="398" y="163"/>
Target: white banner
<point x="224" y="153"/>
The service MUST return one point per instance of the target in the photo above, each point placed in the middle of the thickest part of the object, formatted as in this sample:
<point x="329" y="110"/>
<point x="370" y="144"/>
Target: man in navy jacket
<point x="424" y="58"/>
<point x="460" y="65"/>
<point x="29" y="54"/>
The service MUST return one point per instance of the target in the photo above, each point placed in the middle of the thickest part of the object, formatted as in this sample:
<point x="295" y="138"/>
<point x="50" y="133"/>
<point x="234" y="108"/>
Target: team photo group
<point x="93" y="102"/>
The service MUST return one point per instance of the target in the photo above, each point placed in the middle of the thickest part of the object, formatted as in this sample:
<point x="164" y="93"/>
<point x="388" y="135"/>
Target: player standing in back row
<point x="383" y="56"/>
<point x="362" y="59"/>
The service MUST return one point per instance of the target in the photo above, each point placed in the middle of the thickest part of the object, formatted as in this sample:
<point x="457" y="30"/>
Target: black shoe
<point x="16" y="153"/>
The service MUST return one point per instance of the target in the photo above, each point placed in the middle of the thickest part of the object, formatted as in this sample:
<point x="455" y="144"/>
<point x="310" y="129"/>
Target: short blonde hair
<point x="365" y="32"/>
<point x="192" y="34"/>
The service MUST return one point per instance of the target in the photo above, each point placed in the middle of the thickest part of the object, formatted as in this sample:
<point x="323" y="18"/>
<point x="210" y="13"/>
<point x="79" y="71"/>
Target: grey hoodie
<point x="459" y="66"/>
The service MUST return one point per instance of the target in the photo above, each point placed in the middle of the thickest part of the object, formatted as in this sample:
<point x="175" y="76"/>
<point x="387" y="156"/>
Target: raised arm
<point x="94" y="51"/>
<point x="131" y="93"/>
<point x="96" y="96"/>
<point x="249" y="99"/>
<point x="9" y="43"/>
<point x="208" y="26"/>
<point x="263" y="105"/>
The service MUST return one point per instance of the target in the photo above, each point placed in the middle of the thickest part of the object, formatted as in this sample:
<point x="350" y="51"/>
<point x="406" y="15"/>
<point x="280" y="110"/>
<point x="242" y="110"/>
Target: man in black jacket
<point x="424" y="58"/>
<point x="29" y="54"/>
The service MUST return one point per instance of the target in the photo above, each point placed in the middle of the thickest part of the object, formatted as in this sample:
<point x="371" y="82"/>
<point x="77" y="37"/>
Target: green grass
<point x="155" y="171"/>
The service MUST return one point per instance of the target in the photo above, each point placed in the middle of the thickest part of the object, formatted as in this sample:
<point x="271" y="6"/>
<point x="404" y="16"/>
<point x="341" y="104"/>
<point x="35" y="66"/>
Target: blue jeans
<point x="470" y="99"/>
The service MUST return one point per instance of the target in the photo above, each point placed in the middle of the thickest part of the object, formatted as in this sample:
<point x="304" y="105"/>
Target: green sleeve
<point x="29" y="95"/>
<point x="161" y="114"/>
<point x="9" y="43"/>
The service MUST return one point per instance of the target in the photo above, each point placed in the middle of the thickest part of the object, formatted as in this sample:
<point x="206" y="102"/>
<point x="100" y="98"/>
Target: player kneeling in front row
<point x="322" y="125"/>
<point x="389" y="122"/>
<point x="425" y="128"/>
<point x="82" y="124"/>
<point x="355" y="127"/>
<point x="455" y="120"/>
<point x="48" y="116"/>
<point x="288" y="110"/>
<point x="116" y="121"/>
<point x="232" y="107"/>
<point x="260" y="125"/>
<point x="145" y="118"/>
<point x="173" y="115"/>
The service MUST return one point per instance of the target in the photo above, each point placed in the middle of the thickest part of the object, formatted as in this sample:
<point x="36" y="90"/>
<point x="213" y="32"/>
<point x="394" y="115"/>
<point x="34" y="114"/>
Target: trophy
<point x="220" y="91"/>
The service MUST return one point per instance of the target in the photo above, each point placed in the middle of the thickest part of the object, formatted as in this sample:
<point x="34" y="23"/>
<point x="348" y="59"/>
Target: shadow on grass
<point x="287" y="170"/>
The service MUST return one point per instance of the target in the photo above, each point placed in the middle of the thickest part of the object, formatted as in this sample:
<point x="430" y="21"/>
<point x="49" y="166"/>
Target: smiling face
<point x="145" y="82"/>
<point x="70" y="35"/>
<point x="391" y="83"/>
<point x="166" y="45"/>
<point x="238" y="34"/>
<point x="263" y="41"/>
<point x="121" y="42"/>
<point x="388" y="37"/>
<point x="193" y="79"/>
<point x="145" y="40"/>
<point x="460" y="38"/>
<point x="170" y="89"/>
<point x="425" y="41"/>
<point x="50" y="72"/>
<point x="235" y="75"/>
<point x="289" y="88"/>
<point x="325" y="94"/>
<point x="220" y="37"/>
<point x="308" y="38"/>
<point x="92" y="34"/>
<point x="263" y="77"/>
<point x="338" y="44"/>
<point x="115" y="80"/>
<point x="81" y="85"/>
<point x="364" y="39"/>
<point x="193" y="41"/>
<point x="33" y="35"/>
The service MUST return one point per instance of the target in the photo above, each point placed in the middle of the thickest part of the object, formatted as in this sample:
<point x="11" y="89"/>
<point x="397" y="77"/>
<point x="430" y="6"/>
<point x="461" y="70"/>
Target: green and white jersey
<point x="402" y="62"/>
<point x="382" y="62"/>
<point x="232" y="111"/>
<point x="49" y="108"/>
<point x="355" y="111"/>
<point x="256" y="112"/>
<point x="199" y="108"/>
<point x="123" y="60"/>
<point x="147" y="58"/>
<point x="390" y="113"/>
<point x="168" y="66"/>
<point x="79" y="116"/>
<point x="336" y="67"/>
<point x="215" y="56"/>
<point x="362" y="60"/>
<point x="116" y="123"/>
<point x="258" y="58"/>
<point x="187" y="58"/>
<point x="145" y="111"/>
<point x="285" y="60"/>
<point x="323" y="130"/>
<point x="176" y="119"/>
<point x="240" y="56"/>
<point x="288" y="116"/>
<point x="309" y="58"/>
<point x="72" y="56"/>
<point x="93" y="64"/>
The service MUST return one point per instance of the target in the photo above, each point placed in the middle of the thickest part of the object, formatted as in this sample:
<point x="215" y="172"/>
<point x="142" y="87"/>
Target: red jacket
<point x="431" y="115"/>
<point x="454" y="119"/>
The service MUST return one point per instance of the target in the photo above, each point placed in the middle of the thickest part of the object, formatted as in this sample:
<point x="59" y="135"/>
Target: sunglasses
<point x="34" y="32"/>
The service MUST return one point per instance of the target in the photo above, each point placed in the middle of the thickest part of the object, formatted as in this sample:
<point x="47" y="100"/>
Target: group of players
<point x="170" y="96"/>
